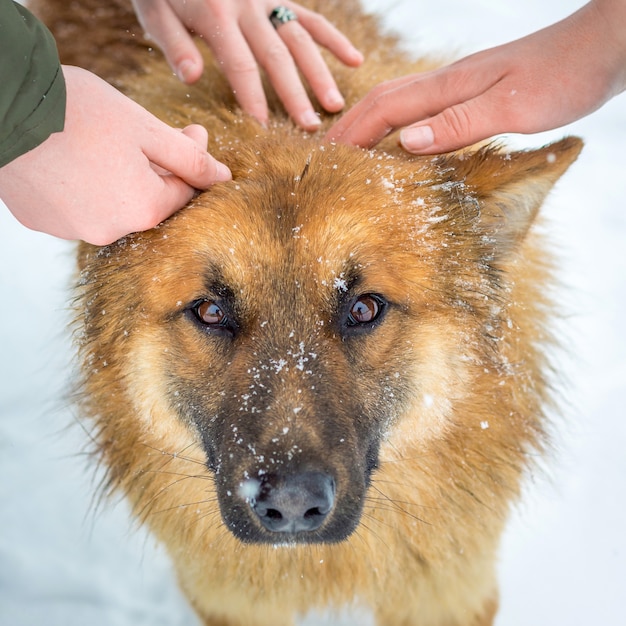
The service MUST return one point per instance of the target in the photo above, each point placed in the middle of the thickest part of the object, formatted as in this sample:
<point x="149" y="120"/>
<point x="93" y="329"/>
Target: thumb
<point x="456" y="127"/>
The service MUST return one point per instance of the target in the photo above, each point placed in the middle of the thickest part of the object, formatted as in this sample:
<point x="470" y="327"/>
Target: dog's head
<point x="290" y="326"/>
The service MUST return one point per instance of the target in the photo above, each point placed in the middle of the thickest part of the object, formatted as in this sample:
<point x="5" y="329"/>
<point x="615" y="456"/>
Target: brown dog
<point x="319" y="384"/>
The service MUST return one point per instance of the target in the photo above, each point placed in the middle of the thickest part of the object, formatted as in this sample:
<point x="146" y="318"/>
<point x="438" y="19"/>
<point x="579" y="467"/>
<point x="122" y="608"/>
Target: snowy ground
<point x="564" y="558"/>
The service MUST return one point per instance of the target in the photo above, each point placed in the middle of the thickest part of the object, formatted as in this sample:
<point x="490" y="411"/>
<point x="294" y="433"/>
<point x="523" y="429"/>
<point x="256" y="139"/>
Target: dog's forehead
<point x="321" y="216"/>
<point x="316" y="201"/>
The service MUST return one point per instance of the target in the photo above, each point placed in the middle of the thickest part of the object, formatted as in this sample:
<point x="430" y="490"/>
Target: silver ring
<point x="281" y="15"/>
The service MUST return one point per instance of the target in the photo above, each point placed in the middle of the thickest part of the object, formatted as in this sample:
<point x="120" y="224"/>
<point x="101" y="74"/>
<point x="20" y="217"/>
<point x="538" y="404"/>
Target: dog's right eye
<point x="365" y="312"/>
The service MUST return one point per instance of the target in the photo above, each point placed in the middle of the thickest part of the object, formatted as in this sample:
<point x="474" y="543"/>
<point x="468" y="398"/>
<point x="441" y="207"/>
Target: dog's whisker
<point x="184" y="505"/>
<point x="146" y="509"/>
<point x="397" y="506"/>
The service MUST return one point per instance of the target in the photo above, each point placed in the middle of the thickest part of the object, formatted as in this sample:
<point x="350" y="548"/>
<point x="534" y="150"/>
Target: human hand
<point x="114" y="169"/>
<point x="240" y="33"/>
<point x="537" y="83"/>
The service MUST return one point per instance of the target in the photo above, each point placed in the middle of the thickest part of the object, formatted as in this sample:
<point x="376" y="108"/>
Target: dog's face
<point x="289" y="321"/>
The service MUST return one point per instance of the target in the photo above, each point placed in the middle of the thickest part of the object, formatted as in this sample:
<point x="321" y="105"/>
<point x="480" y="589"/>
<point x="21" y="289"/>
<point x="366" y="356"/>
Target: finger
<point x="152" y="200"/>
<point x="170" y="192"/>
<point x="275" y="58"/>
<point x="163" y="25"/>
<point x="181" y="155"/>
<point x="241" y="70"/>
<point x="198" y="133"/>
<point x="307" y="57"/>
<point x="382" y="110"/>
<point x="326" y="35"/>
<point x="173" y="194"/>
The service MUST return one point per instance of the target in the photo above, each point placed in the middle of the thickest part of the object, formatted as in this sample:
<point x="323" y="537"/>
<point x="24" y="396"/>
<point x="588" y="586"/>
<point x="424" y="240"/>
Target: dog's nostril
<point x="294" y="503"/>
<point x="273" y="514"/>
<point x="315" y="512"/>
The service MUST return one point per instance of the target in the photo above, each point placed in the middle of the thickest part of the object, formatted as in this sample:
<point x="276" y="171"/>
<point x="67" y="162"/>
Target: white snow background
<point x="563" y="562"/>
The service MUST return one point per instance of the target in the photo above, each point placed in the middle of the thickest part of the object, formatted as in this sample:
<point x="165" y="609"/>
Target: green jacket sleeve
<point x="32" y="88"/>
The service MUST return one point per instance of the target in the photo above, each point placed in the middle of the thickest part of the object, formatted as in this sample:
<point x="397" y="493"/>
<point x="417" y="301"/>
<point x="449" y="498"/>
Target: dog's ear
<point x="510" y="187"/>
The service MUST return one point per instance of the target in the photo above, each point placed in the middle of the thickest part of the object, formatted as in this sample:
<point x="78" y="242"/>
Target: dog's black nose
<point x="294" y="503"/>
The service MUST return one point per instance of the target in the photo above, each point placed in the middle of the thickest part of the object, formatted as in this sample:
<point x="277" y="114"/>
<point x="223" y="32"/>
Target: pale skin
<point x="116" y="169"/>
<point x="242" y="38"/>
<point x="540" y="82"/>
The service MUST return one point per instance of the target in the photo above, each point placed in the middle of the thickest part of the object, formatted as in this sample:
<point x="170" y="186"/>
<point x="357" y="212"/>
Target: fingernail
<point x="357" y="56"/>
<point x="222" y="173"/>
<point x="310" y="119"/>
<point x="334" y="100"/>
<point x="417" y="138"/>
<point x="185" y="70"/>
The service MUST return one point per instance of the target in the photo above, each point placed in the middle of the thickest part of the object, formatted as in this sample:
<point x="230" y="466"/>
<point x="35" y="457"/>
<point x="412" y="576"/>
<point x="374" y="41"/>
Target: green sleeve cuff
<point x="32" y="98"/>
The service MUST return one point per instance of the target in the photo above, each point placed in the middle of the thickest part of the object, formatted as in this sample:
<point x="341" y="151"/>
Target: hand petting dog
<point x="115" y="169"/>
<point x="242" y="38"/>
<point x="540" y="82"/>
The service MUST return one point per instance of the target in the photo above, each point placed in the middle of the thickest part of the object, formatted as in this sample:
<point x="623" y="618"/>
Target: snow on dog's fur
<point x="320" y="383"/>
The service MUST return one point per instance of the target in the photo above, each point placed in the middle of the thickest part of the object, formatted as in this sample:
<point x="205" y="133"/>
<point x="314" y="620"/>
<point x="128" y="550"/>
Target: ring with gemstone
<point x="281" y="15"/>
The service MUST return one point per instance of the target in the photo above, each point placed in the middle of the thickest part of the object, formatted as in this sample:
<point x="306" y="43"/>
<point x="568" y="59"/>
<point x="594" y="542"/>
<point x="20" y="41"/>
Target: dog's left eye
<point x="365" y="310"/>
<point x="210" y="313"/>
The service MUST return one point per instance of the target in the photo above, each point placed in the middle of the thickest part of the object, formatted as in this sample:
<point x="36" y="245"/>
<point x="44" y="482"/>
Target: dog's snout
<point x="294" y="503"/>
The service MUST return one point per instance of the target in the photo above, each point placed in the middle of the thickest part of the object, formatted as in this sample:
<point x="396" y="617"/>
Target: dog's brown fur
<point x="425" y="419"/>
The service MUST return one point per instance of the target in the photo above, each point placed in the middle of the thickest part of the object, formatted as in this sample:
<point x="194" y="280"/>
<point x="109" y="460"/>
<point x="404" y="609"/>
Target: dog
<point x="319" y="384"/>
